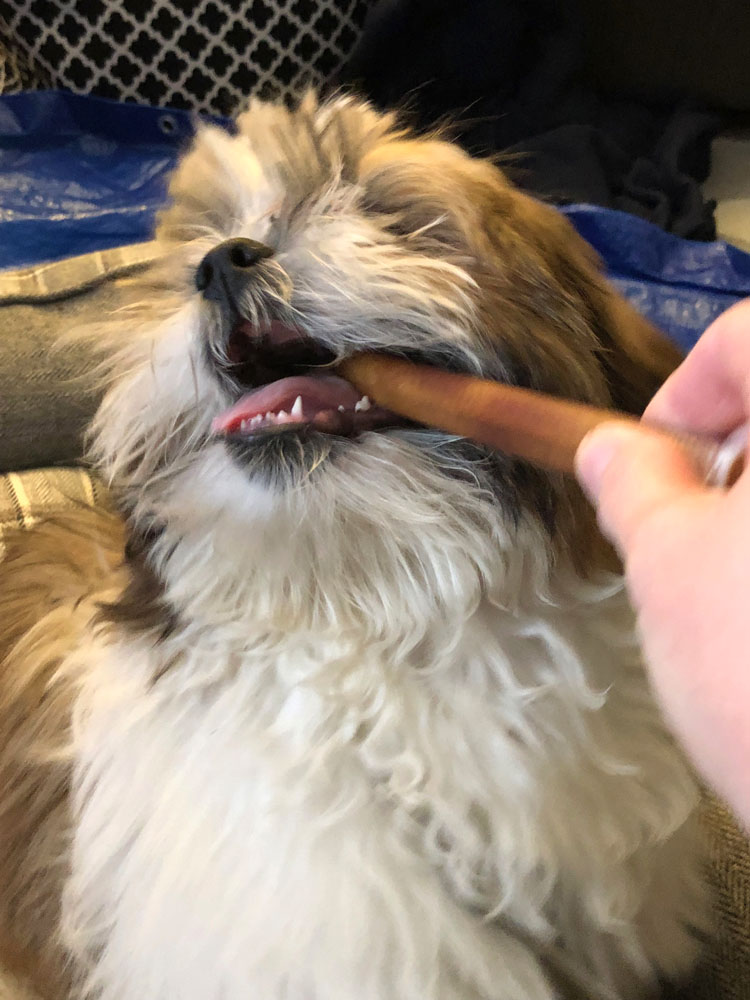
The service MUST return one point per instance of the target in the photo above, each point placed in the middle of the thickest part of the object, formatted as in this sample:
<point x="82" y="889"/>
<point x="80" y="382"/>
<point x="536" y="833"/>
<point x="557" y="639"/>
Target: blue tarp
<point x="681" y="285"/>
<point x="80" y="174"/>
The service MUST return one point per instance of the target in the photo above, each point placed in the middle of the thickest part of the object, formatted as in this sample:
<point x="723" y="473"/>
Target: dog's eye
<point x="426" y="232"/>
<point x="418" y="225"/>
<point x="403" y="225"/>
<point x="391" y="219"/>
<point x="396" y="225"/>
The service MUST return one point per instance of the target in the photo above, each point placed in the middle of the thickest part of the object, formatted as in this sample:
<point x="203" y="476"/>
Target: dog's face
<point x="312" y="234"/>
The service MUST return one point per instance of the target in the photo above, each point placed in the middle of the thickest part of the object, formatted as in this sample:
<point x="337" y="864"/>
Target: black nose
<point x="223" y="272"/>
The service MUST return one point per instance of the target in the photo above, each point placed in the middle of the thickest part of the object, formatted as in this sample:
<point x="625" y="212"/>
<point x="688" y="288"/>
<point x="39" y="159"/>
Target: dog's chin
<point x="284" y="458"/>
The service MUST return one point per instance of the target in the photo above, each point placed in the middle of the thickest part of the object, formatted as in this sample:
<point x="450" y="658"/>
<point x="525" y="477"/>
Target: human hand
<point x="686" y="549"/>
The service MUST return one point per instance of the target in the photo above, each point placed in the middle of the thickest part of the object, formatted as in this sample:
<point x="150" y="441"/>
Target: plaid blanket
<point x="28" y="497"/>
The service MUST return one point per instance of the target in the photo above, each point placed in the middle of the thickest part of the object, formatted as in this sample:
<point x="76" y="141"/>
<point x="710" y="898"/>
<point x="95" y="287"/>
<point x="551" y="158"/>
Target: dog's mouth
<point x="291" y="387"/>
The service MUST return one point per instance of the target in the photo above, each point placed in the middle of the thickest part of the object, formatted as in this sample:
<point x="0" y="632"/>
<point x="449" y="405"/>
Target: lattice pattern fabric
<point x="207" y="55"/>
<point x="17" y="73"/>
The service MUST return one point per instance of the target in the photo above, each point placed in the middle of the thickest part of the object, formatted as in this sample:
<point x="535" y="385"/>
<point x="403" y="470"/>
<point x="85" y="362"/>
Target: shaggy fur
<point x="356" y="717"/>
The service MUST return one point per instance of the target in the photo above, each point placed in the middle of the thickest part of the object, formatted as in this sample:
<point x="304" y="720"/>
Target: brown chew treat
<point x="530" y="425"/>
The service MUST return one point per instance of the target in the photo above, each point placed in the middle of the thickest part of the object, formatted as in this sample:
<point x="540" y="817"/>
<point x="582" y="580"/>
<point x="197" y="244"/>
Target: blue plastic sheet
<point x="681" y="285"/>
<point x="79" y="174"/>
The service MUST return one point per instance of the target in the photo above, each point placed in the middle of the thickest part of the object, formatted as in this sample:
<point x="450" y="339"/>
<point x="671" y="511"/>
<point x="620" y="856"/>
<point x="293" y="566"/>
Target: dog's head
<point x="315" y="233"/>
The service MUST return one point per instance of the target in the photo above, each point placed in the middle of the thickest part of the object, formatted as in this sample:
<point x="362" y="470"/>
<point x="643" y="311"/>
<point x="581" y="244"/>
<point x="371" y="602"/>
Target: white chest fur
<point x="331" y="820"/>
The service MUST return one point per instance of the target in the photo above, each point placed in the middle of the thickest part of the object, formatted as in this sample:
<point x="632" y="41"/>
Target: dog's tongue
<point x="300" y="399"/>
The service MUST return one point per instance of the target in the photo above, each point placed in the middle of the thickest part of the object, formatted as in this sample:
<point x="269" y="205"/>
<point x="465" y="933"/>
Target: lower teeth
<point x="296" y="415"/>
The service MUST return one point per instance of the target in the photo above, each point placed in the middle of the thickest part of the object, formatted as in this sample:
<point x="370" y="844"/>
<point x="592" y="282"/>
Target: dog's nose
<point x="223" y="272"/>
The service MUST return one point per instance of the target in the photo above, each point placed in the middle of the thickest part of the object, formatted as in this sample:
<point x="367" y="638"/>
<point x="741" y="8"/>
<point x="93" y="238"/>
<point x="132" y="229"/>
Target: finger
<point x="710" y="391"/>
<point x="632" y="474"/>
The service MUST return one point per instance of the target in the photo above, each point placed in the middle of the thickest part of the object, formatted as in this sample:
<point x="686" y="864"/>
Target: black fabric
<point x="509" y="73"/>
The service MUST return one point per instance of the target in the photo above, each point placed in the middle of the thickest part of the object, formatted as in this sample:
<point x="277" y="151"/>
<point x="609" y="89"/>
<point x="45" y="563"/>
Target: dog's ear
<point x="635" y="356"/>
<point x="588" y="342"/>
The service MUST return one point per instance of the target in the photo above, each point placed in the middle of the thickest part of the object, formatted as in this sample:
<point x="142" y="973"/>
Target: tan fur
<point x="49" y="582"/>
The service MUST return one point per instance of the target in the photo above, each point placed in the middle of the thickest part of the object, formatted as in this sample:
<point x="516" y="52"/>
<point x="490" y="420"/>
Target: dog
<point x="335" y="706"/>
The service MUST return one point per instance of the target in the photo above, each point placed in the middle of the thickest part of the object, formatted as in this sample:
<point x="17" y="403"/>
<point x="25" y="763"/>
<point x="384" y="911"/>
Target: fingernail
<point x="594" y="454"/>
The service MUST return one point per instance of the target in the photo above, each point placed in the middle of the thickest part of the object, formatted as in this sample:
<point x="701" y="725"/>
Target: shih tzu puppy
<point x="339" y="707"/>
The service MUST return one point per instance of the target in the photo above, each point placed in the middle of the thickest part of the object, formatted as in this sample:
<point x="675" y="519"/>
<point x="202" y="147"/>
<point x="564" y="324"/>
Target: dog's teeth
<point x="269" y="416"/>
<point x="282" y="415"/>
<point x="243" y="425"/>
<point x="256" y="421"/>
<point x="341" y="409"/>
<point x="362" y="404"/>
<point x="297" y="408"/>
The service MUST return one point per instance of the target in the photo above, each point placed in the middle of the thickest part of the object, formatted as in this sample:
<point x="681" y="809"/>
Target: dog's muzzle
<point x="224" y="272"/>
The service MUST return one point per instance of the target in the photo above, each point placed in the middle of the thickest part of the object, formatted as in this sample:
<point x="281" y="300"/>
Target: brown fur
<point x="49" y="582"/>
<point x="141" y="606"/>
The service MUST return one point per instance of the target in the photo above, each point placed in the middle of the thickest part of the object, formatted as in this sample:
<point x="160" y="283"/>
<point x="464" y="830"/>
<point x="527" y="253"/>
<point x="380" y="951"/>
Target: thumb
<point x="631" y="473"/>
